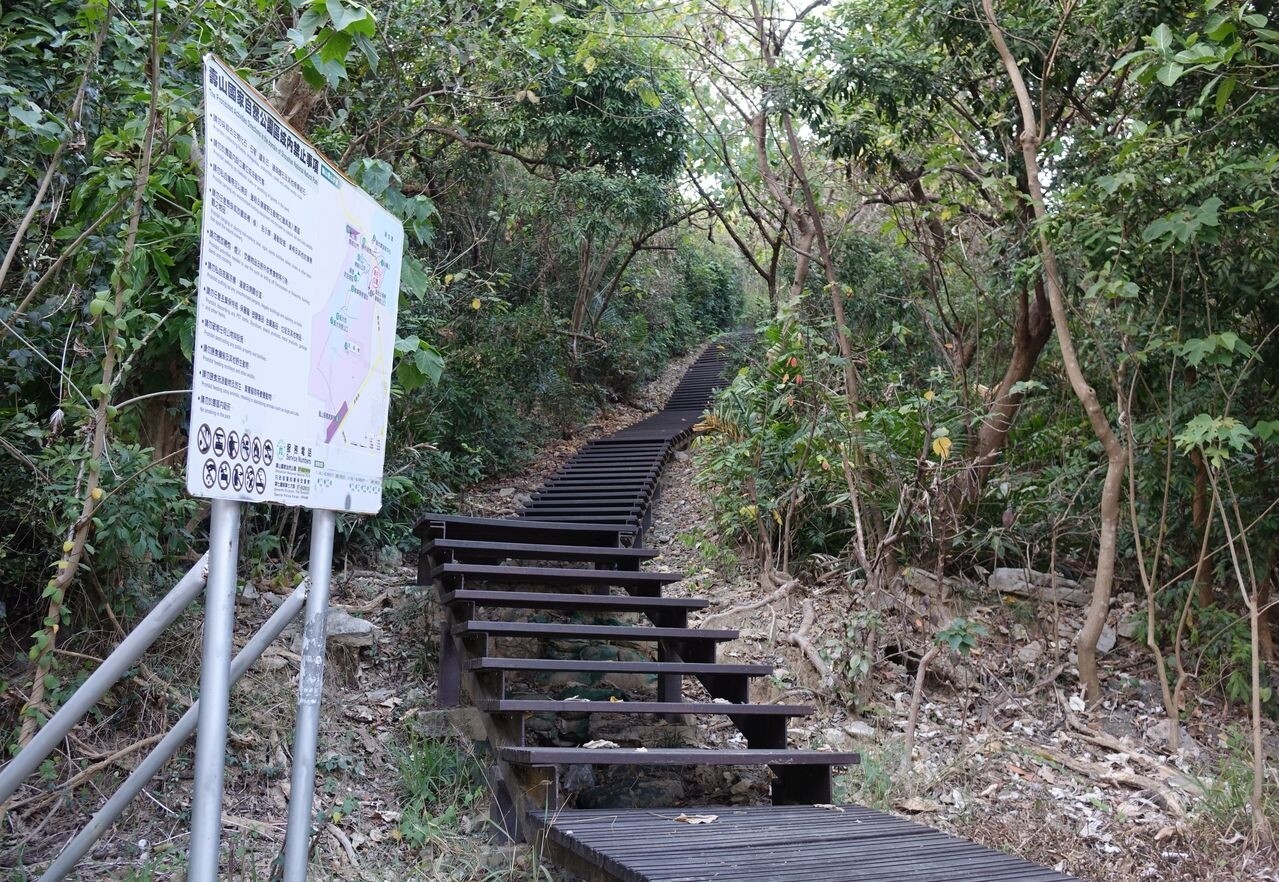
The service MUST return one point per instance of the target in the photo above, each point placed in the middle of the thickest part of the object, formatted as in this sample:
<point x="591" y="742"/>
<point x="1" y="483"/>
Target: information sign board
<point x="295" y="316"/>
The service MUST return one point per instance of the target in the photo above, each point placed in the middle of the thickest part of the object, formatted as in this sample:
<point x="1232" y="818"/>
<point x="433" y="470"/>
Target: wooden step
<point x="536" y="551"/>
<point x="451" y="572"/>
<point x="580" y="602"/>
<point x="528" y="530"/>
<point x="629" y="633"/>
<point x="588" y="506"/>
<point x="545" y="705"/>
<point x="605" y="494"/>
<point x="616" y="667"/>
<point x="630" y="521"/>
<point x="665" y="756"/>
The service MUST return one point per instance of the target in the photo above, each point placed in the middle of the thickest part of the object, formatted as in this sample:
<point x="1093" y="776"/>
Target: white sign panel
<point x="295" y="320"/>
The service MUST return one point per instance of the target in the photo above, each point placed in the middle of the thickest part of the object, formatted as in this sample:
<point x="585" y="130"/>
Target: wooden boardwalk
<point x="771" y="844"/>
<point x="564" y="568"/>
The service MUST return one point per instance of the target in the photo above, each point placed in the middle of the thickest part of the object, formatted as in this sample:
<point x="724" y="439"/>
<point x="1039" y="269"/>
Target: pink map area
<point x="342" y="338"/>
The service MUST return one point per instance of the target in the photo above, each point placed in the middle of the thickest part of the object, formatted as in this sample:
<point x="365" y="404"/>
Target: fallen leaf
<point x="696" y="819"/>
<point x="599" y="743"/>
<point x="827" y="806"/>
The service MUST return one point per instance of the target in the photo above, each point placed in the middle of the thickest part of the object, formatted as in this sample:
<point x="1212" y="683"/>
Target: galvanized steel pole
<point x="306" y="728"/>
<point x="215" y="690"/>
<point x="78" y="847"/>
<point x="107" y="675"/>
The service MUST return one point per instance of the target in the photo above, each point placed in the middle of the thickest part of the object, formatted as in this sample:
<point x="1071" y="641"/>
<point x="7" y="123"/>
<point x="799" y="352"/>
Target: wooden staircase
<point x="574" y="553"/>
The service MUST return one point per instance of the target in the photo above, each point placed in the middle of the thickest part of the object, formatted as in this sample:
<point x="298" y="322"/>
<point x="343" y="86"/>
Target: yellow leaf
<point x="930" y="395"/>
<point x="589" y="64"/>
<point x="941" y="446"/>
<point x="67" y="546"/>
<point x="475" y="303"/>
<point x="97" y="493"/>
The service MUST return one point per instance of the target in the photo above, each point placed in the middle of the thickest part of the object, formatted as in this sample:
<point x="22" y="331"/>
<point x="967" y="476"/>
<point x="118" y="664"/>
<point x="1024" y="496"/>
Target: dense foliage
<point x="551" y="266"/>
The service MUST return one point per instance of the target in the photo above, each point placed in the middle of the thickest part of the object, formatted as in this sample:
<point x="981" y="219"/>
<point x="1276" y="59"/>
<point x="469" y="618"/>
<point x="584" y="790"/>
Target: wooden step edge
<point x="582" y="602"/>
<point x="617" y="577"/>
<point x="428" y="525"/>
<point x="682" y="756"/>
<point x="540" y="705"/>
<point x="604" y="666"/>
<point x="588" y="552"/>
<point x="624" y="633"/>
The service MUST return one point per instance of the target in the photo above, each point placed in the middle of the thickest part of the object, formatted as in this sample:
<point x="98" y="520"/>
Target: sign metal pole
<point x="215" y="692"/>
<point x="310" y="690"/>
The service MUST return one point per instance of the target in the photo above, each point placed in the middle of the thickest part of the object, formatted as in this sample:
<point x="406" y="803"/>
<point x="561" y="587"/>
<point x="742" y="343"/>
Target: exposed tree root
<point x="801" y="640"/>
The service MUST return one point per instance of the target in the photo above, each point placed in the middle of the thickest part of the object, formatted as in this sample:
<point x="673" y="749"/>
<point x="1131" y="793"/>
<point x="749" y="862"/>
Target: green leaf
<point x="28" y="116"/>
<point x="1161" y="38"/>
<point x="343" y="16"/>
<point x="1170" y="73"/>
<point x="413" y="278"/>
<point x="1224" y="91"/>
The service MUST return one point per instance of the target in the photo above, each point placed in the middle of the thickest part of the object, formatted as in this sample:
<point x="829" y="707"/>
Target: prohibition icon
<point x="204" y="438"/>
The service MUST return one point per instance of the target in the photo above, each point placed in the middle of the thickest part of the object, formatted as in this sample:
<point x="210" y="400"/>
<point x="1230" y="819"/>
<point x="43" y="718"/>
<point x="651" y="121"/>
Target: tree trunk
<point x="1112" y="488"/>
<point x="1032" y="331"/>
<point x="1199" y="517"/>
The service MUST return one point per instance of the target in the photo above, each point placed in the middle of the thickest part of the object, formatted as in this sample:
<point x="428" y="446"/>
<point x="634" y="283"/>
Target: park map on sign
<point x="349" y="367"/>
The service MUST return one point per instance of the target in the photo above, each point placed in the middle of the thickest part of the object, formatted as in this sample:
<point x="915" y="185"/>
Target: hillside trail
<point x="1002" y="754"/>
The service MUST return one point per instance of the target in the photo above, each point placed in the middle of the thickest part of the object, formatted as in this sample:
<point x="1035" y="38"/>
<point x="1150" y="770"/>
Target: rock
<point x="682" y="456"/>
<point x="1030" y="653"/>
<point x="344" y="629"/>
<point x="858" y="729"/>
<point x="837" y="738"/>
<point x="578" y="777"/>
<point x="647" y="793"/>
<point x="1159" y="733"/>
<point x="1107" y="640"/>
<point x="1040" y="586"/>
<point x="446" y="722"/>
<point x="506" y="491"/>
<point x="248" y="594"/>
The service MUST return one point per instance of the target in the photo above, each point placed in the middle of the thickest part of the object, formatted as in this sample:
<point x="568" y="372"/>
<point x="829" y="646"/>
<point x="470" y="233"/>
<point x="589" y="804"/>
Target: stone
<point x="249" y="594"/>
<point x="835" y="737"/>
<point x="682" y="456"/>
<point x="1030" y="653"/>
<point x="506" y="491"/>
<point x="1107" y="640"/>
<point x="858" y="729"/>
<point x="445" y="722"/>
<point x="344" y="629"/>
<point x="1159" y="732"/>
<point x="645" y="793"/>
<point x="1040" y="586"/>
